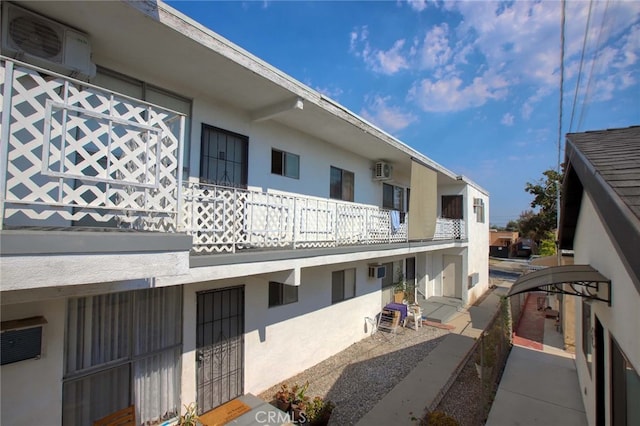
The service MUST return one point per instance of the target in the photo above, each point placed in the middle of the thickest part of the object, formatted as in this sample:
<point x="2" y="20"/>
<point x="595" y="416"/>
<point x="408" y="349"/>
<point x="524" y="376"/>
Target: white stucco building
<point x="176" y="212"/>
<point x="601" y="224"/>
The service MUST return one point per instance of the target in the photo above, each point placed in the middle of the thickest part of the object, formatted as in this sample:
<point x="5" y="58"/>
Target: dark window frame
<point x="452" y="207"/>
<point x="342" y="184"/>
<point x="622" y="376"/>
<point x="279" y="163"/>
<point x="339" y="285"/>
<point x="239" y="181"/>
<point x="279" y="291"/>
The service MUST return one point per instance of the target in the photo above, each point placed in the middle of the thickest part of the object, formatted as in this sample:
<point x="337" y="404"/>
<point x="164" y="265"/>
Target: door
<point x="451" y="276"/>
<point x="600" y="373"/>
<point x="219" y="347"/>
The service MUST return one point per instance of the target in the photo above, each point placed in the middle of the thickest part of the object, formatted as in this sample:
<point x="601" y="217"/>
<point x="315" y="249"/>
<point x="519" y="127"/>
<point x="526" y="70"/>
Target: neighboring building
<point x="600" y="222"/>
<point x="500" y="242"/>
<point x="190" y="223"/>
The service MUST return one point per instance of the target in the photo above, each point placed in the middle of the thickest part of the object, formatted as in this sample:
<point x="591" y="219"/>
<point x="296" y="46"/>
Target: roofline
<point x="170" y="17"/>
<point x="622" y="226"/>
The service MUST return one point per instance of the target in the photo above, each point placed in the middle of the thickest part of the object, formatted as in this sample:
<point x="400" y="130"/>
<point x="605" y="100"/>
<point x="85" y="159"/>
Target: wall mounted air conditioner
<point x="382" y="171"/>
<point x="377" y="271"/>
<point x="33" y="38"/>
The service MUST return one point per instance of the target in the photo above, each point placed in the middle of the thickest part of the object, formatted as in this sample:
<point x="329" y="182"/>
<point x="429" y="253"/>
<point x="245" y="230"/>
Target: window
<point x="224" y="157"/>
<point x="285" y="164"/>
<point x="342" y="184"/>
<point x="478" y="209"/>
<point x="393" y="199"/>
<point x="123" y="349"/>
<point x="282" y="294"/>
<point x="343" y="285"/>
<point x="121" y="83"/>
<point x="625" y="389"/>
<point x="452" y="206"/>
<point x="587" y="336"/>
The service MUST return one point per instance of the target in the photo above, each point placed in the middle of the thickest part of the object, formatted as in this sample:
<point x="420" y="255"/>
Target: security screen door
<point x="219" y="347"/>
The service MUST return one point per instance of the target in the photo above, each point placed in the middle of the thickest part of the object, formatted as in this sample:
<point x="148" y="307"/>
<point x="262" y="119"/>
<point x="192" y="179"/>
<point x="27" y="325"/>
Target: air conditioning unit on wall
<point x="32" y="38"/>
<point x="382" y="171"/>
<point x="377" y="271"/>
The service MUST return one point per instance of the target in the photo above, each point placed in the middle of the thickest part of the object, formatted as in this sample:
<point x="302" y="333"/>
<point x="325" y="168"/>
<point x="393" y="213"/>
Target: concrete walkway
<point x="423" y="387"/>
<point x="538" y="386"/>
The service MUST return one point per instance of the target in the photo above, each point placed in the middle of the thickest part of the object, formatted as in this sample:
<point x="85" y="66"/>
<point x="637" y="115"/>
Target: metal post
<point x="6" y="119"/>
<point x="179" y="177"/>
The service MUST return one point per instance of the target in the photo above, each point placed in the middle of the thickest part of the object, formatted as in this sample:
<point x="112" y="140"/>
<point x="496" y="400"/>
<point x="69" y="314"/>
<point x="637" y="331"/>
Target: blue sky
<point x="474" y="85"/>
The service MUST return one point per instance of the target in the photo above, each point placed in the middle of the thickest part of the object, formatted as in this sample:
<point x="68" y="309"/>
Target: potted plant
<point x="292" y="400"/>
<point x="284" y="397"/>
<point x="300" y="401"/>
<point x="190" y="416"/>
<point x="318" y="411"/>
<point x="399" y="289"/>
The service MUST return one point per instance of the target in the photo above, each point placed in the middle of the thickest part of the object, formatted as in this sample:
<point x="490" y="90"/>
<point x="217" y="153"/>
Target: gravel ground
<point x="357" y="378"/>
<point x="463" y="401"/>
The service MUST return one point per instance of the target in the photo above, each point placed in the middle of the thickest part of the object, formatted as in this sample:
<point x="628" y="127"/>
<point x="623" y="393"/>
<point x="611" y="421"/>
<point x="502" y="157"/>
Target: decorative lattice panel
<point x="223" y="220"/>
<point x="76" y="151"/>
<point x="450" y="229"/>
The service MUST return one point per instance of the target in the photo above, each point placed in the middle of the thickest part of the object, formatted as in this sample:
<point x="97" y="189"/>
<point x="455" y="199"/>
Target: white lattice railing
<point x="224" y="219"/>
<point x="75" y="153"/>
<point x="450" y="229"/>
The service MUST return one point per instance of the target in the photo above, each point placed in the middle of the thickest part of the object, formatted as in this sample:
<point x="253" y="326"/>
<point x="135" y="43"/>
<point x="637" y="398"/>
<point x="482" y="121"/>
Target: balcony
<point x="78" y="155"/>
<point x="229" y="219"/>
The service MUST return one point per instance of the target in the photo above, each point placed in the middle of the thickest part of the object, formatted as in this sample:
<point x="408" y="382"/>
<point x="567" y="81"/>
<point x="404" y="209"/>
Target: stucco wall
<point x="592" y="245"/>
<point x="32" y="389"/>
<point x="478" y="252"/>
<point x="284" y="340"/>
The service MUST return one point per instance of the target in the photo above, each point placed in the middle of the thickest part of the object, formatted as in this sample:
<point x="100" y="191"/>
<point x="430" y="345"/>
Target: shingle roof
<point x="615" y="155"/>
<point x="606" y="165"/>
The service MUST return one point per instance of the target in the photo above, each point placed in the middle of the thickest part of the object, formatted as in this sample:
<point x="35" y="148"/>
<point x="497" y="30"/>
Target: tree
<point x="512" y="225"/>
<point x="545" y="196"/>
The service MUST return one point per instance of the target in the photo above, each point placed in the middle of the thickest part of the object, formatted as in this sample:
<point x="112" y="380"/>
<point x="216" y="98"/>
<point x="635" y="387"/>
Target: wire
<point x="562" y="25"/>
<point x="587" y="95"/>
<point x="584" y="45"/>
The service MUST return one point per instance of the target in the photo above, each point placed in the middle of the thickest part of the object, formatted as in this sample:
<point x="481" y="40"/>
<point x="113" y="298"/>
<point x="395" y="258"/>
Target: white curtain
<point x="119" y="343"/>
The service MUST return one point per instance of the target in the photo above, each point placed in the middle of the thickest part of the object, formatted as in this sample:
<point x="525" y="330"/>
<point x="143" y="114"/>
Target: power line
<point x="584" y="46"/>
<point x="562" y="25"/>
<point x="587" y="95"/>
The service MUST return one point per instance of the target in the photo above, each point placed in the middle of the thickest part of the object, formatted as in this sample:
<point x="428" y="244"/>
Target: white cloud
<point x="417" y="5"/>
<point x="507" y="119"/>
<point x="387" y="117"/>
<point x="452" y="94"/>
<point x="495" y="48"/>
<point x="381" y="61"/>
<point x="436" y="51"/>
<point x="390" y="61"/>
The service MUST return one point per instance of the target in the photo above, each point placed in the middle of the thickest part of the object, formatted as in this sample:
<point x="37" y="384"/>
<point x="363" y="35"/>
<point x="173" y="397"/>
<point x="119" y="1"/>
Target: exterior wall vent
<point x="21" y="339"/>
<point x="32" y="38"/>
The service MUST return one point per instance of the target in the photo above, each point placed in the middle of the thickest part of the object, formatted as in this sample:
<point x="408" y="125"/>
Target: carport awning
<point x="576" y="280"/>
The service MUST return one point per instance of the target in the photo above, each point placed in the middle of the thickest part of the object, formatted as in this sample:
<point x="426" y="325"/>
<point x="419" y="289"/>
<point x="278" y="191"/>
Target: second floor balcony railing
<point x="222" y="219"/>
<point x="77" y="154"/>
<point x="74" y="154"/>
